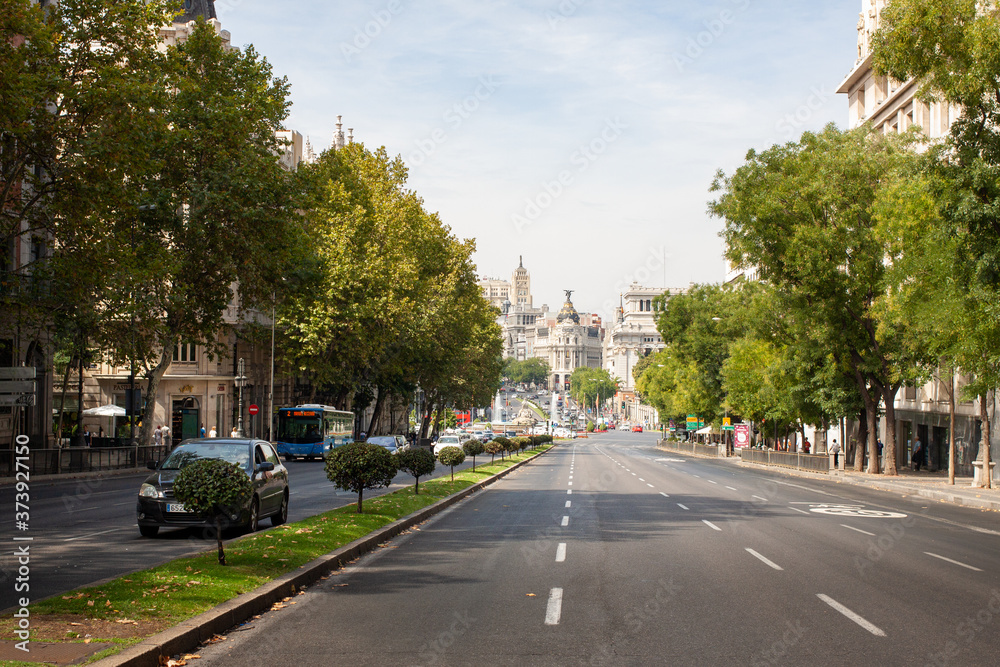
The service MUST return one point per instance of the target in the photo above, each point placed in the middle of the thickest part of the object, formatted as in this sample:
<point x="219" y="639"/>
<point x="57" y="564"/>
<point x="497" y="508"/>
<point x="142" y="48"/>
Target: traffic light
<point x="623" y="405"/>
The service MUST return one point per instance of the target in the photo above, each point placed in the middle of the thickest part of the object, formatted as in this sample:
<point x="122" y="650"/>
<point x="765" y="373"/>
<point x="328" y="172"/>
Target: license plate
<point x="177" y="508"/>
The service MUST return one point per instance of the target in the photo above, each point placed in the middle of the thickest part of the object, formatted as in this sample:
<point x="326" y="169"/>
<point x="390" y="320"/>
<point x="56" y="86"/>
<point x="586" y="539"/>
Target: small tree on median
<point x="451" y="456"/>
<point x="496" y="446"/>
<point x="359" y="466"/>
<point x="214" y="489"/>
<point x="473" y="448"/>
<point x="417" y="462"/>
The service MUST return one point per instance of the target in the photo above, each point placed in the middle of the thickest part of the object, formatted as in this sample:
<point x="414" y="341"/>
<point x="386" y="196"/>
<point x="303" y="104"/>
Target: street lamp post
<point x="240" y="380"/>
<point x="270" y="391"/>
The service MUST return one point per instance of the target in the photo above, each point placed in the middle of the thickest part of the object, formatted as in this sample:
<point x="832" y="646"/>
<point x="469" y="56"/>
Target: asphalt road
<point x="607" y="551"/>
<point x="84" y="530"/>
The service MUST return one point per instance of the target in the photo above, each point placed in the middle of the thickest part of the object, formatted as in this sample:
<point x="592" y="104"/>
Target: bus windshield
<point x="300" y="430"/>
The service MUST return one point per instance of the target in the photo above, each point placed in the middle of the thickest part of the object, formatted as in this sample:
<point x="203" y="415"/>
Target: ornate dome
<point x="568" y="312"/>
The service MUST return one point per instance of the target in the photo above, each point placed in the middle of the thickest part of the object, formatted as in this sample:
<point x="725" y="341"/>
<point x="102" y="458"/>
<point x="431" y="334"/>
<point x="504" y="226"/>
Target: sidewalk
<point x="932" y="485"/>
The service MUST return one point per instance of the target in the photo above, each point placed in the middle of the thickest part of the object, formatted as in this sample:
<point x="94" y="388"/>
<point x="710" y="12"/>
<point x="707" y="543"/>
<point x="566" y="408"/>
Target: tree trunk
<point x="360" y="495"/>
<point x="376" y="411"/>
<point x="984" y="446"/>
<point x="889" y="448"/>
<point x="951" y="429"/>
<point x="860" y="441"/>
<point x="79" y="405"/>
<point x="62" y="403"/>
<point x="155" y="374"/>
<point x="218" y="537"/>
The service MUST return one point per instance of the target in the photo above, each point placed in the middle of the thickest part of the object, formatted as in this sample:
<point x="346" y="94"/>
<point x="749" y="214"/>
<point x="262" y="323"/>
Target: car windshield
<point x="448" y="438"/>
<point x="383" y="440"/>
<point x="187" y="454"/>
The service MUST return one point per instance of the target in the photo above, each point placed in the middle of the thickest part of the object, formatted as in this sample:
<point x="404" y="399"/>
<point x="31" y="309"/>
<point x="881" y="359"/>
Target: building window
<point x="186" y="353"/>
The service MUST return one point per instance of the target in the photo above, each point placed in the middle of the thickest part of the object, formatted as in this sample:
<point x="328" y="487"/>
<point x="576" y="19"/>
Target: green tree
<point x="417" y="462"/>
<point x="803" y="214"/>
<point x="496" y="446"/>
<point x="214" y="489"/>
<point x="528" y="371"/>
<point x="473" y="448"/>
<point x="451" y="456"/>
<point x="358" y="466"/>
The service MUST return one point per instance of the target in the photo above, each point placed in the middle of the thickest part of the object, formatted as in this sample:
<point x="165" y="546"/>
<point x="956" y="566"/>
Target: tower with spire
<point x="195" y="8"/>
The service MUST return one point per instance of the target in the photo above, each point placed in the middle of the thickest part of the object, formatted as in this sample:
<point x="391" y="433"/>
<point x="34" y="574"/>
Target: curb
<point x="190" y="633"/>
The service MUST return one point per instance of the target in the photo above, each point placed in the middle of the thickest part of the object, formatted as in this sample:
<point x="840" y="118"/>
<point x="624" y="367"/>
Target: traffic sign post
<point x="253" y="409"/>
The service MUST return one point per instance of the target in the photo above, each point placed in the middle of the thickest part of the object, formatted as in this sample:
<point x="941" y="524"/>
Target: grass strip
<point x="183" y="588"/>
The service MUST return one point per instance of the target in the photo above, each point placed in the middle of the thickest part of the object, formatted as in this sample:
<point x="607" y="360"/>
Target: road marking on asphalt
<point x="682" y="506"/>
<point x="870" y="627"/>
<point x="953" y="561"/>
<point x="650" y="485"/>
<point x="799" y="511"/>
<point x="698" y="476"/>
<point x="764" y="560"/>
<point x="851" y="527"/>
<point x="80" y="537"/>
<point x="554" y="609"/>
<point x="571" y="483"/>
<point x="569" y="503"/>
<point x="641" y="479"/>
<point x="711" y="525"/>
<point x="565" y="521"/>
<point x="561" y="552"/>
<point x="633" y="474"/>
<point x="759" y="498"/>
<point x="732" y="488"/>
<point x="712" y="481"/>
<point x="664" y="495"/>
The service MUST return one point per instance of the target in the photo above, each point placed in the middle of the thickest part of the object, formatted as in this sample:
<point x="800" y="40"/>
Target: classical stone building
<point x="567" y="342"/>
<point x="633" y="335"/>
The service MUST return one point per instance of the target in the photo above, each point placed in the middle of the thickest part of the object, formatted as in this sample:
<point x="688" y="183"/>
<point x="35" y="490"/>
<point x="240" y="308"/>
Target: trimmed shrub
<point x="214" y="489"/>
<point x="496" y="446"/>
<point x="358" y="466"/>
<point x="473" y="448"/>
<point x="590" y="427"/>
<point x="417" y="462"/>
<point x="451" y="456"/>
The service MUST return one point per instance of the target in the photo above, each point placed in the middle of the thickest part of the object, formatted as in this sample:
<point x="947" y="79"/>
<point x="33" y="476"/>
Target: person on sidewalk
<point x="835" y="450"/>
<point x="158" y="436"/>
<point x="918" y="455"/>
<point x="213" y="433"/>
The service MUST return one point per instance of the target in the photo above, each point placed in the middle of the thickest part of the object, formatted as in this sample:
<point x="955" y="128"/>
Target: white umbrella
<point x="106" y="411"/>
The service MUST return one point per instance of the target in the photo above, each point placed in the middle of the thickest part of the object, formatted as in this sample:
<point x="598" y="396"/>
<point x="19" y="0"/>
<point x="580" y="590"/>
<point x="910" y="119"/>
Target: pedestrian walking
<point x="158" y="435"/>
<point x="835" y="450"/>
<point x="918" y="455"/>
<point x="213" y="433"/>
<point x="165" y="433"/>
<point x="202" y="432"/>
<point x="235" y="433"/>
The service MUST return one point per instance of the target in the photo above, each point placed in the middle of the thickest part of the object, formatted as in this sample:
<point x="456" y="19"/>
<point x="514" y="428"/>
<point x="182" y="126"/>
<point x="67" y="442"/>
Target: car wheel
<point x="253" y="525"/>
<point x="282" y="515"/>
<point x="289" y="457"/>
<point x="149" y="531"/>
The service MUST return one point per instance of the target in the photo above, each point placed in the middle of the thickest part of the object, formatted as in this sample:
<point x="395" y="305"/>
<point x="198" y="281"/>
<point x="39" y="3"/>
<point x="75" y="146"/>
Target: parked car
<point x="637" y="428"/>
<point x="448" y="441"/>
<point x="157" y="507"/>
<point x="394" y="443"/>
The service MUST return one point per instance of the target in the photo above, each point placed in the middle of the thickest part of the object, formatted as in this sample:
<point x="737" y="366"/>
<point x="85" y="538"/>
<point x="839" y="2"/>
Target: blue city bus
<point x="312" y="430"/>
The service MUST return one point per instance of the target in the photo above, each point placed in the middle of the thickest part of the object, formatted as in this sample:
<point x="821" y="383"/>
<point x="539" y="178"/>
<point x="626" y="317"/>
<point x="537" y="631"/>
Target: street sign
<point x="727" y="424"/>
<point x="253" y="409"/>
<point x="17" y="400"/>
<point x="17" y="387"/>
<point x="17" y="373"/>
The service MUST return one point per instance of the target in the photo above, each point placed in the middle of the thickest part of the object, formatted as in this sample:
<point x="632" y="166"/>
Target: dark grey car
<point x="157" y="507"/>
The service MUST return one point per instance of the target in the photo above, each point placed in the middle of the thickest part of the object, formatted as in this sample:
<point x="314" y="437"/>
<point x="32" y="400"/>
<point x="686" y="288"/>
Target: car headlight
<point x="147" y="490"/>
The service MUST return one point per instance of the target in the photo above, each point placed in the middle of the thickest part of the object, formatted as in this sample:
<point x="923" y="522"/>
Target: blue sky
<point x="581" y="134"/>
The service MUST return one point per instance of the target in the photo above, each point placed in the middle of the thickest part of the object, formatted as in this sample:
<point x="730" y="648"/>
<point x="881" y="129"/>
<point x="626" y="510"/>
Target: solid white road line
<point x="561" y="552"/>
<point x="681" y="506"/>
<point x="565" y="521"/>
<point x="711" y="525"/>
<point x="976" y="569"/>
<point x="763" y="559"/>
<point x="664" y="495"/>
<point x="800" y="511"/>
<point x="554" y="609"/>
<point x="81" y="537"/>
<point x="865" y="532"/>
<point x="870" y="627"/>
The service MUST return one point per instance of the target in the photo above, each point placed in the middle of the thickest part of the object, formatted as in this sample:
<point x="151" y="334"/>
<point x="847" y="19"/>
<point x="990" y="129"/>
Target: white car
<point x="448" y="441"/>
